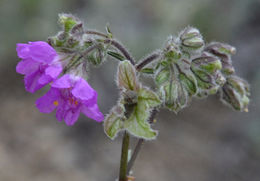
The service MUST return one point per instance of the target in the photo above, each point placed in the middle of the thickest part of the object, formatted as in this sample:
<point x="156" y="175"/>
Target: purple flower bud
<point x="70" y="95"/>
<point x="224" y="52"/>
<point x="40" y="64"/>
<point x="236" y="93"/>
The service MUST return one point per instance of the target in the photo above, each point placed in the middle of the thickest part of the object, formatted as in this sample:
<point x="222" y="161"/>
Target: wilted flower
<point x="70" y="95"/>
<point x="40" y="64"/>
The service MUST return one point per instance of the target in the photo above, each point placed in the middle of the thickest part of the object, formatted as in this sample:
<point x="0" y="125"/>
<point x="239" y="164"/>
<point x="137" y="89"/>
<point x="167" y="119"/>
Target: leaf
<point x="126" y="76"/>
<point x="116" y="55"/>
<point x="151" y="98"/>
<point x="113" y="122"/>
<point x="147" y="70"/>
<point x="137" y="123"/>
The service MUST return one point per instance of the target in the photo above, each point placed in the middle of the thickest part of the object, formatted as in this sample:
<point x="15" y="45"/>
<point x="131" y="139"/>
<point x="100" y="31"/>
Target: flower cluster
<point x="42" y="64"/>
<point x="188" y="67"/>
<point x="69" y="94"/>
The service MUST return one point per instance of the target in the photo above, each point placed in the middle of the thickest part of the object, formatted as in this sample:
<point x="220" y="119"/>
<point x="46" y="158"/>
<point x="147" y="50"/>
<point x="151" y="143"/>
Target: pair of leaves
<point x="137" y="122"/>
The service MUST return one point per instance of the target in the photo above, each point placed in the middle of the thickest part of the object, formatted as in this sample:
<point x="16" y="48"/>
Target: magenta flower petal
<point x="27" y="66"/>
<point x="44" y="79"/>
<point x="60" y="112"/>
<point x="49" y="101"/>
<point x="53" y="71"/>
<point x="42" y="52"/>
<point x="40" y="64"/>
<point x="31" y="82"/>
<point x="23" y="50"/>
<point x="82" y="90"/>
<point x="71" y="116"/>
<point x="93" y="112"/>
<point x="63" y="82"/>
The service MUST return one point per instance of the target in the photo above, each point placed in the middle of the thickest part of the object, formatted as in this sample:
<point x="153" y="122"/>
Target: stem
<point x="147" y="60"/>
<point x="124" y="158"/>
<point x="121" y="48"/>
<point x="134" y="155"/>
<point x="93" y="32"/>
<point x="140" y="143"/>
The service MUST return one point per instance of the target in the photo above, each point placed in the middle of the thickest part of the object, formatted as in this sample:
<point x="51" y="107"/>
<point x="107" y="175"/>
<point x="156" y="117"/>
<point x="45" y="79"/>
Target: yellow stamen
<point x="76" y="102"/>
<point x="56" y="103"/>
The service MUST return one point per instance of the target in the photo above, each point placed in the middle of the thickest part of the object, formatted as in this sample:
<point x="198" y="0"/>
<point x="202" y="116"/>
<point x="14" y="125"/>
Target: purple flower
<point x="70" y="95"/>
<point x="40" y="64"/>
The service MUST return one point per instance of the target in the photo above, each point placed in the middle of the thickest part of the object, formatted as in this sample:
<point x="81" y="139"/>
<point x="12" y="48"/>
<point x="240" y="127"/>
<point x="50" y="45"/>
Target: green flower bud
<point x="236" y="93"/>
<point x="96" y="57"/>
<point x="191" y="40"/>
<point x="176" y="85"/>
<point x="68" y="21"/>
<point x="224" y="52"/>
<point x="207" y="72"/>
<point x="171" y="50"/>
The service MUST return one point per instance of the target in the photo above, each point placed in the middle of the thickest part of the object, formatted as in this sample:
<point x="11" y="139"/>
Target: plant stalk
<point x="124" y="158"/>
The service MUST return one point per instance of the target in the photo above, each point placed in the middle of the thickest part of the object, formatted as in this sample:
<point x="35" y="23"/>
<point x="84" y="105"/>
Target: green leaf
<point x="149" y="97"/>
<point x="113" y="122"/>
<point x="147" y="70"/>
<point x="109" y="33"/>
<point x="116" y="55"/>
<point x="127" y="76"/>
<point x="137" y="123"/>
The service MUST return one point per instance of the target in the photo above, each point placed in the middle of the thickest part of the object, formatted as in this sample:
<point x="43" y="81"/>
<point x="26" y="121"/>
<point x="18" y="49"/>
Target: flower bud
<point x="236" y="93"/>
<point x="68" y="21"/>
<point x="224" y="52"/>
<point x="191" y="40"/>
<point x="207" y="72"/>
<point x="176" y="85"/>
<point x="96" y="57"/>
<point x="171" y="50"/>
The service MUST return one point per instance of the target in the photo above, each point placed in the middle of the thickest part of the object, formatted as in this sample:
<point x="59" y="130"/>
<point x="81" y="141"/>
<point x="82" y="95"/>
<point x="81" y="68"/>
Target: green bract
<point x="133" y="109"/>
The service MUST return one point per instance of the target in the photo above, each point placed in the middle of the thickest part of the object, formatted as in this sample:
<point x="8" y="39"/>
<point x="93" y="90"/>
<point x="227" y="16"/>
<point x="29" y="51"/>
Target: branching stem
<point x="139" y="144"/>
<point x="147" y="60"/>
<point x="121" y="48"/>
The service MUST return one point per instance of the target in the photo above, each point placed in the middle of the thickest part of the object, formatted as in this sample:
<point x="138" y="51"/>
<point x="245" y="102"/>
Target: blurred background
<point x="205" y="142"/>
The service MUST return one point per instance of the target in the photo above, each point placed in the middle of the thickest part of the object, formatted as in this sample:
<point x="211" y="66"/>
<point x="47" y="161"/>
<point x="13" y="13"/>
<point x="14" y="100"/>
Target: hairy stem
<point x="93" y="32"/>
<point x="147" y="60"/>
<point x="121" y="48"/>
<point x="140" y="143"/>
<point x="124" y="158"/>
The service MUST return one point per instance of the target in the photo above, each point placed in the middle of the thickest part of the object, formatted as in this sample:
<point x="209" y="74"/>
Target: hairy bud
<point x="224" y="52"/>
<point x="191" y="40"/>
<point x="236" y="93"/>
<point x="207" y="68"/>
<point x="68" y="21"/>
<point x="171" y="50"/>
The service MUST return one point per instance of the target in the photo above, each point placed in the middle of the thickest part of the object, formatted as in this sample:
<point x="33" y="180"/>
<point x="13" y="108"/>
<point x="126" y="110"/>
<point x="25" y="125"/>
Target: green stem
<point x="124" y="158"/>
